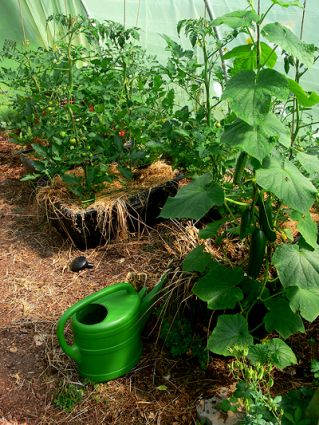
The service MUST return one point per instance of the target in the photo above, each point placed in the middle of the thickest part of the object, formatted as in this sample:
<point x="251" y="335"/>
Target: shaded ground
<point x="37" y="287"/>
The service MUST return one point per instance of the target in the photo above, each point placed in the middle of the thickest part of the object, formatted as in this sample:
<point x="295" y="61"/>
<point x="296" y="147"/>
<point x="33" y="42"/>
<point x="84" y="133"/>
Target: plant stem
<point x="307" y="125"/>
<point x="295" y="124"/>
<point x="303" y="19"/>
<point x="277" y="294"/>
<point x="210" y="14"/>
<point x="258" y="54"/>
<point x="266" y="13"/>
<point x="206" y="82"/>
<point x="272" y="51"/>
<point x="229" y="210"/>
<point x="232" y="201"/>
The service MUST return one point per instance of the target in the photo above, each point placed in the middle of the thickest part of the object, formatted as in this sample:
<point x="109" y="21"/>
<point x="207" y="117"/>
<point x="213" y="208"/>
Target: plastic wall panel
<point x="21" y="19"/>
<point x="156" y="17"/>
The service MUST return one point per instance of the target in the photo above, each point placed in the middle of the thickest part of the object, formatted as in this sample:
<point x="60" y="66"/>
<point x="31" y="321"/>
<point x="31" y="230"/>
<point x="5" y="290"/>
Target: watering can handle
<point x="72" y="350"/>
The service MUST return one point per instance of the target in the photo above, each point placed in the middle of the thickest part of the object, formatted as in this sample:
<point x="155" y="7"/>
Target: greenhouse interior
<point x="159" y="175"/>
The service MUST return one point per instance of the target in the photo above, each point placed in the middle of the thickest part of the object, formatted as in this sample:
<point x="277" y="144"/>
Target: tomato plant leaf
<point x="287" y="183"/>
<point x="305" y="301"/>
<point x="195" y="199"/>
<point x="231" y="329"/>
<point x="273" y="351"/>
<point x="307" y="227"/>
<point x="41" y="151"/>
<point x="281" y="318"/>
<point x="257" y="141"/>
<point x="305" y="99"/>
<point x="288" y="41"/>
<point x="238" y="18"/>
<point x="218" y="287"/>
<point x="250" y="94"/>
<point x="297" y="266"/>
<point x="29" y="177"/>
<point x="197" y="260"/>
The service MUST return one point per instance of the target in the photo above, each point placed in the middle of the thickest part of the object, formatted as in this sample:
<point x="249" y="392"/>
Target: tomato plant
<point x="191" y="137"/>
<point x="86" y="106"/>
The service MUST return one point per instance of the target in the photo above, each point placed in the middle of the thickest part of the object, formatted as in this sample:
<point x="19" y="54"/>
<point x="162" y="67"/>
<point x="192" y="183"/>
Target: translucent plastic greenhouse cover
<point x="26" y="19"/>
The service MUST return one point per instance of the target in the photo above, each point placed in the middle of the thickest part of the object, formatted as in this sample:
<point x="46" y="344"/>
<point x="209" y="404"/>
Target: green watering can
<point x="107" y="328"/>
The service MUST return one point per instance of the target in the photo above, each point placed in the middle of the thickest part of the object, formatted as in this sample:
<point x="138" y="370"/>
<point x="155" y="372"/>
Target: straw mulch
<point x="37" y="287"/>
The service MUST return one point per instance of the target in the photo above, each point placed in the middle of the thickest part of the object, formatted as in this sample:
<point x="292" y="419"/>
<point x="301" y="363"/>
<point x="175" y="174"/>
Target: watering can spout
<point x="148" y="299"/>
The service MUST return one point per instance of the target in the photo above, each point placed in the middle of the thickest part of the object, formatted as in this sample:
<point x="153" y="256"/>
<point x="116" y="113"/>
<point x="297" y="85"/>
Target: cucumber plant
<point x="275" y="179"/>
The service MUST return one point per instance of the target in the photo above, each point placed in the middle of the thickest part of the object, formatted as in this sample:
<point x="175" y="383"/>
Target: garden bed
<point x="120" y="209"/>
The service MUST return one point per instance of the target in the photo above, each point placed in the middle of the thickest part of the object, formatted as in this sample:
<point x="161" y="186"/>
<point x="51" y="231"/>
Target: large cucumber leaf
<point x="197" y="260"/>
<point x="288" y="41"/>
<point x="281" y="318"/>
<point x="273" y="351"/>
<point x="309" y="162"/>
<point x="307" y="227"/>
<point x="237" y="19"/>
<point x="297" y="266"/>
<point x="218" y="287"/>
<point x="250" y="94"/>
<point x="285" y="180"/>
<point x="246" y="56"/>
<point x="257" y="141"/>
<point x="231" y="330"/>
<point x="305" y="99"/>
<point x="195" y="199"/>
<point x="304" y="301"/>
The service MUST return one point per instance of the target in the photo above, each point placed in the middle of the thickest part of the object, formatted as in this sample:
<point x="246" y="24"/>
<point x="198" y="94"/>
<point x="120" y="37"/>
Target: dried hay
<point x="114" y="209"/>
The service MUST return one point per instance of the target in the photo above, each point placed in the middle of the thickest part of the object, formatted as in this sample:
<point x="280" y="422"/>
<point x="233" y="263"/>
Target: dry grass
<point x="115" y="213"/>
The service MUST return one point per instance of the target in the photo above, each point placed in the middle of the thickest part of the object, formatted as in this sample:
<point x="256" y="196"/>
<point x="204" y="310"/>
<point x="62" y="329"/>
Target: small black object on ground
<point x="80" y="263"/>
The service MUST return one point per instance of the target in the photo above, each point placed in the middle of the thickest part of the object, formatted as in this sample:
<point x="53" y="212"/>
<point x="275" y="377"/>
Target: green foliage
<point x="68" y="397"/>
<point x="283" y="179"/>
<point x="179" y="338"/>
<point x="224" y="293"/>
<point x="258" y="141"/>
<point x="250" y="93"/>
<point x="254" y="381"/>
<point x="294" y="405"/>
<point x="315" y="368"/>
<point x="274" y="351"/>
<point x="281" y="318"/>
<point x="192" y="136"/>
<point x="276" y="181"/>
<point x="87" y="106"/>
<point x="195" y="199"/>
<point x="231" y="330"/>
<point x="286" y="39"/>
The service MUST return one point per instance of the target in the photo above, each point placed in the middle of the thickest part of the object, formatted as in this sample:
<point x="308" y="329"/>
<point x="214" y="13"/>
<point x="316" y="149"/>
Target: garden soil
<point x="37" y="287"/>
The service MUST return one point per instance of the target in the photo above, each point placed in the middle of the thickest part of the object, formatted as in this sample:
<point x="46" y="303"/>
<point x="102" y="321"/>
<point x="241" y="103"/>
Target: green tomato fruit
<point x="73" y="141"/>
<point x="62" y="134"/>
